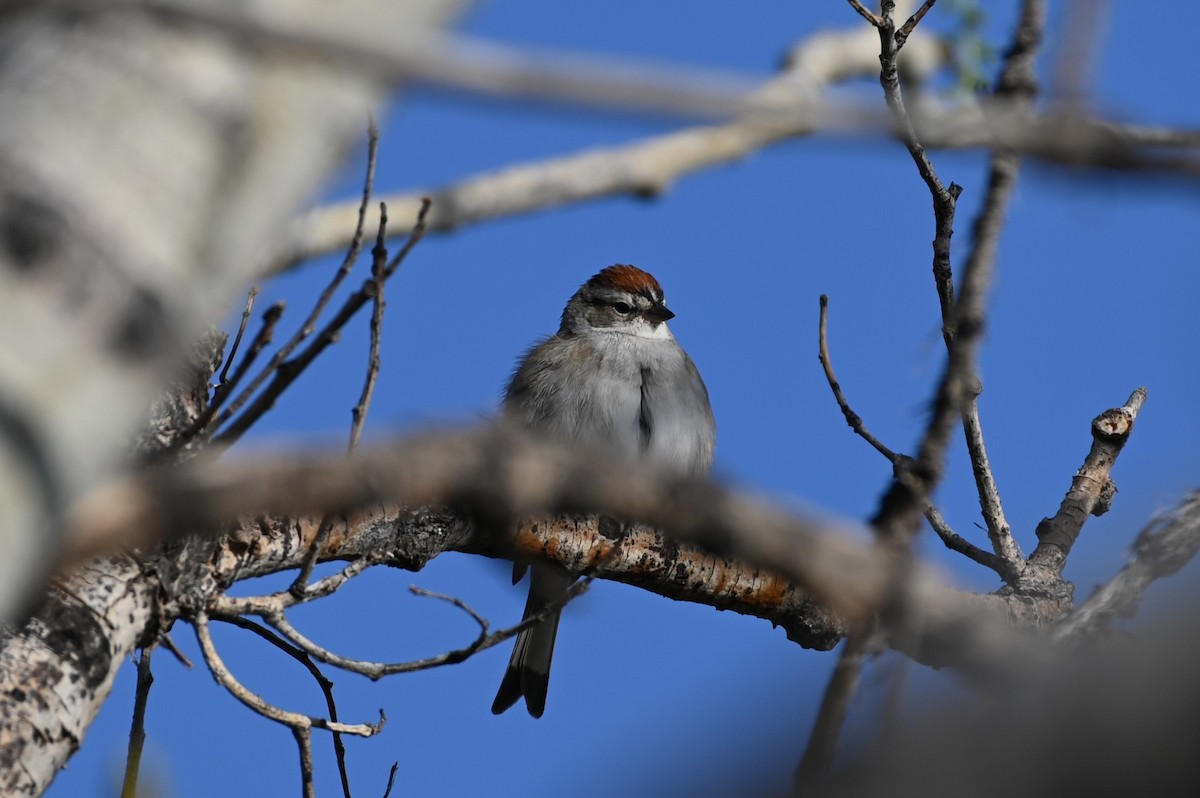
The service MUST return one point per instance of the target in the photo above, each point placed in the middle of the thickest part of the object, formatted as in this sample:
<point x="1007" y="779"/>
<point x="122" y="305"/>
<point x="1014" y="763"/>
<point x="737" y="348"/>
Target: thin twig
<point x="944" y="199"/>
<point x="323" y="587"/>
<point x="839" y="692"/>
<point x="864" y="12"/>
<point x="303" y="737"/>
<point x="907" y="28"/>
<point x="1018" y="83"/>
<point x="166" y="642"/>
<point x="1075" y="59"/>
<point x="378" y="260"/>
<point x="853" y="419"/>
<point x="262" y="339"/>
<point x="375" y="287"/>
<point x="137" y="731"/>
<point x="293" y="595"/>
<point x="951" y="538"/>
<point x="237" y="339"/>
<point x="290" y="719"/>
<point x="457" y="602"/>
<point x="898" y="516"/>
<point x="299" y="585"/>
<point x="268" y="609"/>
<point x="306" y="329"/>
<point x="288" y="371"/>
<point x="326" y="685"/>
<point x="205" y="421"/>
<point x="391" y="779"/>
<point x="414" y="238"/>
<point x="352" y="253"/>
<point x="956" y="542"/>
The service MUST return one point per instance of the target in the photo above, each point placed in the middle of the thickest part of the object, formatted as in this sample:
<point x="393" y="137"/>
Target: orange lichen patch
<point x="627" y="278"/>
<point x="771" y="589"/>
<point x="528" y="539"/>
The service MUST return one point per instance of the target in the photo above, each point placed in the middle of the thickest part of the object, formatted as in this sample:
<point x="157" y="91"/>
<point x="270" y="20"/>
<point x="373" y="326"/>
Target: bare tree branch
<point x="852" y="419"/>
<point x="907" y="28"/>
<point x="953" y="540"/>
<point x="303" y="736"/>
<point x="237" y="339"/>
<point x="464" y="470"/>
<point x="957" y="543"/>
<point x="378" y="262"/>
<point x="1163" y="547"/>
<point x="835" y="704"/>
<point x="865" y="13"/>
<point x="262" y="339"/>
<point x="339" y="749"/>
<point x="897" y="519"/>
<point x="288" y="370"/>
<point x="973" y="633"/>
<point x="1091" y="490"/>
<point x="137" y="731"/>
<point x="644" y="168"/>
<point x="354" y="248"/>
<point x="1018" y="83"/>
<point x="292" y="720"/>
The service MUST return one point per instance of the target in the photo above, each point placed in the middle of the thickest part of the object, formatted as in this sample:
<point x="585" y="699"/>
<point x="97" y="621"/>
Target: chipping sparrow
<point x="613" y="378"/>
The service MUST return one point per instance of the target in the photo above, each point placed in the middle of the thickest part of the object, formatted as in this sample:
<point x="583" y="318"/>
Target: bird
<point x="612" y="378"/>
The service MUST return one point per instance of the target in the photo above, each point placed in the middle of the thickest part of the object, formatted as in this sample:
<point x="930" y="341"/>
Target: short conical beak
<point x="658" y="314"/>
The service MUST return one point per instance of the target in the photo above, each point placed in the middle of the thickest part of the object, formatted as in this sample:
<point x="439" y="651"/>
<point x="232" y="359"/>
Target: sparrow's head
<point x="621" y="299"/>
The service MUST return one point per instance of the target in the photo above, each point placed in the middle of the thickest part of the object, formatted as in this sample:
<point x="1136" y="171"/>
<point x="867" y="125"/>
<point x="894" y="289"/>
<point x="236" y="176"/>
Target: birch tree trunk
<point x="149" y="154"/>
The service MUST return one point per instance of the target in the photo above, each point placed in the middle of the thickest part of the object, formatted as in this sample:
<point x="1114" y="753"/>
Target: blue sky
<point x="1095" y="295"/>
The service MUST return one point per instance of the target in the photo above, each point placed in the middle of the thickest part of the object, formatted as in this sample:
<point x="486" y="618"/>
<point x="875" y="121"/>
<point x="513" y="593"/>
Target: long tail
<point x="528" y="671"/>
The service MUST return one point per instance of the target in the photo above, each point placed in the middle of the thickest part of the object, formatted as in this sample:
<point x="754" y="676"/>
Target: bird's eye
<point x="623" y="308"/>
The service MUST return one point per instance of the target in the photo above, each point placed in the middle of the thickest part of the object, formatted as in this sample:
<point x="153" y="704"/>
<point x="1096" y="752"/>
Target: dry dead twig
<point x="285" y="372"/>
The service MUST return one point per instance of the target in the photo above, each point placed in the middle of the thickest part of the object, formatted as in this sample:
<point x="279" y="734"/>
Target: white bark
<point x="57" y="671"/>
<point x="146" y="162"/>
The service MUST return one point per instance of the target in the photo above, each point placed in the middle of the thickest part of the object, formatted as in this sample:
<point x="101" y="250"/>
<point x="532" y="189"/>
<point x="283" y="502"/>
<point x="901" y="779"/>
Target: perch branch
<point x="501" y="473"/>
